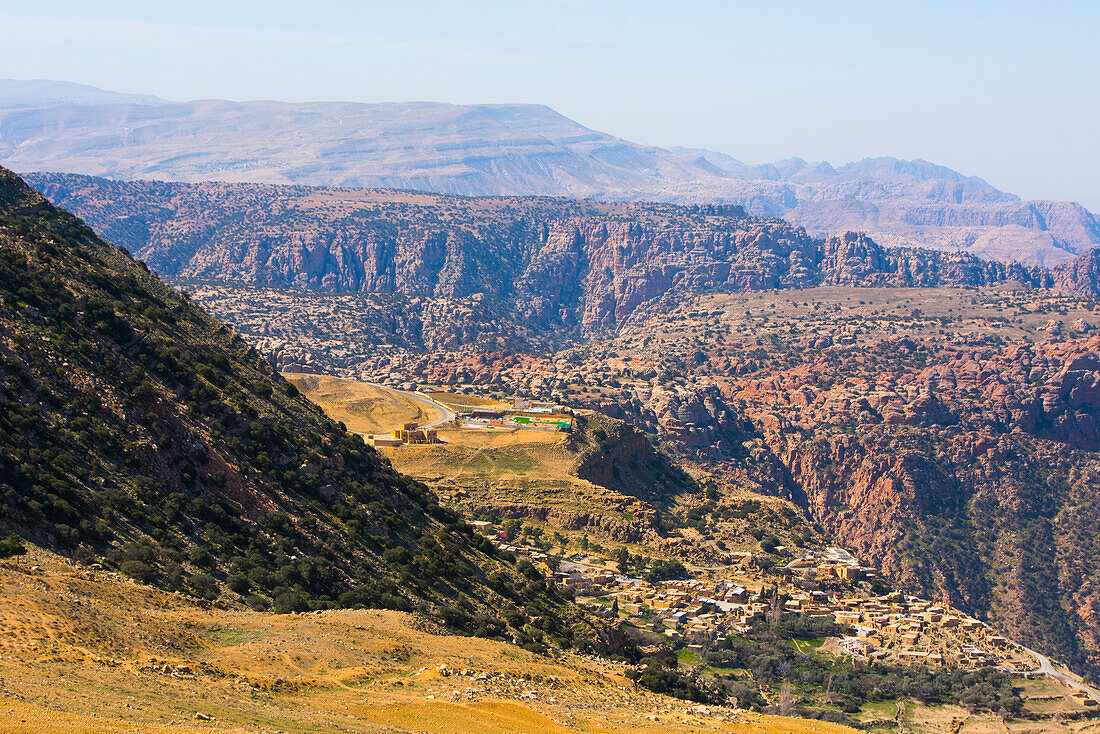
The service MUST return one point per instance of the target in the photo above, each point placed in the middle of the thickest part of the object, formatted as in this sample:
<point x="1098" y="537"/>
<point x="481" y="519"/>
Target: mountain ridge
<point x="528" y="150"/>
<point x="17" y="93"/>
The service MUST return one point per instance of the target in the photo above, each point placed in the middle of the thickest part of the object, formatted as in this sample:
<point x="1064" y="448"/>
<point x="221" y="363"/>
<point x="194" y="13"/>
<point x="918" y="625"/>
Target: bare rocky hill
<point x="514" y="150"/>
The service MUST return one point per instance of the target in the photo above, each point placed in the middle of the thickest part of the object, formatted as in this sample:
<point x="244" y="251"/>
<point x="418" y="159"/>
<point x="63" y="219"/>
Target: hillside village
<point x="699" y="613"/>
<point x="695" y="613"/>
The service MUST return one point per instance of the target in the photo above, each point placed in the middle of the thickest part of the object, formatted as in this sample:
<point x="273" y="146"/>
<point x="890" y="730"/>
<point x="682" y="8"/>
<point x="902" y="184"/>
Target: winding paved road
<point x="1046" y="668"/>
<point x="423" y="399"/>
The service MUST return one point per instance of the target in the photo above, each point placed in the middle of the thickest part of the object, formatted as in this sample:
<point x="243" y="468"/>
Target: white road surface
<point x="1046" y="668"/>
<point x="427" y="402"/>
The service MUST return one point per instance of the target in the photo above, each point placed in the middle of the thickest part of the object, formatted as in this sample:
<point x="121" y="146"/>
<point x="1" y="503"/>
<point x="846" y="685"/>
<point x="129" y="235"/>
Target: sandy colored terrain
<point x="85" y="651"/>
<point x="362" y="406"/>
<point x="490" y="454"/>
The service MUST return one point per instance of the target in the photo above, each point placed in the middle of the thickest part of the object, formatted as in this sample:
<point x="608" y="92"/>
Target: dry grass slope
<point x="85" y="651"/>
<point x="362" y="406"/>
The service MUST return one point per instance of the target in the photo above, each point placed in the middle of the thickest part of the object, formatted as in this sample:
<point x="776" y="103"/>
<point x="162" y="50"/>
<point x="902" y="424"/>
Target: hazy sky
<point x="1007" y="90"/>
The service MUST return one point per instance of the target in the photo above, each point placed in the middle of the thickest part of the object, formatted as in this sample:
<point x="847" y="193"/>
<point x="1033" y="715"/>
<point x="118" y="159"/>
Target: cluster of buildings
<point x="693" y="611"/>
<point x="698" y="612"/>
<point x="830" y="563"/>
<point x="908" y="629"/>
<point x="522" y="414"/>
<point x="407" y="434"/>
<point x="411" y="434"/>
<point x="889" y="629"/>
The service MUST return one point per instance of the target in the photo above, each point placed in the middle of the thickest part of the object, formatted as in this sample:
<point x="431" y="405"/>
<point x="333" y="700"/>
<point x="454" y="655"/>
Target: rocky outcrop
<point x="1081" y="275"/>
<point x="618" y="456"/>
<point x="968" y="475"/>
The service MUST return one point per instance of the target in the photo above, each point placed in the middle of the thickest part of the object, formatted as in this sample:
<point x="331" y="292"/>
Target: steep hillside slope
<point x="86" y="653"/>
<point x="515" y="150"/>
<point x="542" y="266"/>
<point x="138" y="431"/>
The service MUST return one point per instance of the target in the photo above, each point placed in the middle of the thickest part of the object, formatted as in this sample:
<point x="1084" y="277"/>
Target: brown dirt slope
<point x="363" y="407"/>
<point x="87" y="651"/>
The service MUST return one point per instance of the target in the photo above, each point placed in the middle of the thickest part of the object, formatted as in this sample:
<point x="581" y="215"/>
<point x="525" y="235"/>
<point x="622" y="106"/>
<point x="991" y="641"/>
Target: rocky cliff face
<point x="620" y="457"/>
<point x="1080" y="275"/>
<point x="553" y="264"/>
<point x="970" y="475"/>
<point x="977" y="482"/>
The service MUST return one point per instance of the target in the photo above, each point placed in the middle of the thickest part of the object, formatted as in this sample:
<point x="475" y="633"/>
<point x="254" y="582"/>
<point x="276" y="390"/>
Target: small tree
<point x="291" y="601"/>
<point x="787" y="703"/>
<point x="12" y="546"/>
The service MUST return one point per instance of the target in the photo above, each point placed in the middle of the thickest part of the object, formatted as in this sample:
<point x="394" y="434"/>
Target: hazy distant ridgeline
<point x="514" y="150"/>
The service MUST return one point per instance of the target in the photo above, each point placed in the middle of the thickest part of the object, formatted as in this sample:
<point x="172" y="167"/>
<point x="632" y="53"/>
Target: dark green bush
<point x="238" y="582"/>
<point x="203" y="585"/>
<point x="291" y="601"/>
<point x="12" y="546"/>
<point x="140" y="571"/>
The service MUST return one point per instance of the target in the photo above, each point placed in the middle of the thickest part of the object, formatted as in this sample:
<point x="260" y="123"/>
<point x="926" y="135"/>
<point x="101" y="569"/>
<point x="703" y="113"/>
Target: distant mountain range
<point x="514" y="150"/>
<point x="29" y="93"/>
